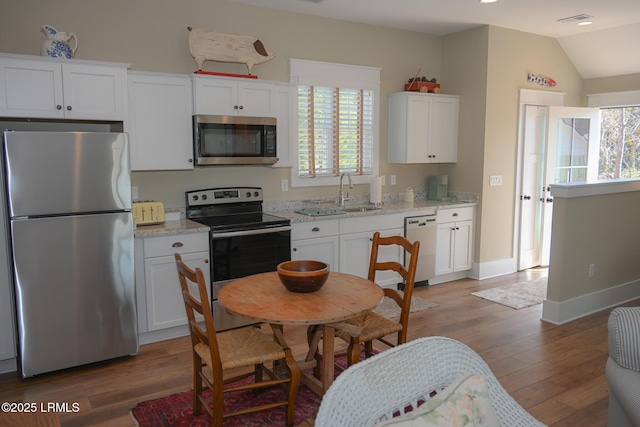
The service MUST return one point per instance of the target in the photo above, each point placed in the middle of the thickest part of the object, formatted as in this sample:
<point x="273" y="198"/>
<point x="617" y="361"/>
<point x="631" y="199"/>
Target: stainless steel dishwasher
<point x="423" y="229"/>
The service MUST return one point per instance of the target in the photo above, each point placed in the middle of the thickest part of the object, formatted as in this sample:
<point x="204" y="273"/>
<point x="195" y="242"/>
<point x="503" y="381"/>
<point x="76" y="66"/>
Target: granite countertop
<point x="286" y="209"/>
<point x="169" y="228"/>
<point x="385" y="209"/>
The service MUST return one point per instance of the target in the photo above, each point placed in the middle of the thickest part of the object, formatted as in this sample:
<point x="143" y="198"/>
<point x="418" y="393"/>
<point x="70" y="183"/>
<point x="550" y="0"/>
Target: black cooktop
<point x="246" y="221"/>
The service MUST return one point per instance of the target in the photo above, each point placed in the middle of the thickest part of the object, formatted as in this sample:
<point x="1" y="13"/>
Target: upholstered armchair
<point x="623" y="367"/>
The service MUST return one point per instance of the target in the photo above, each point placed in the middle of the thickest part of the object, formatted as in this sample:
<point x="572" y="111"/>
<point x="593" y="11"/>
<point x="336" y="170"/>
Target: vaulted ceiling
<point x="607" y="47"/>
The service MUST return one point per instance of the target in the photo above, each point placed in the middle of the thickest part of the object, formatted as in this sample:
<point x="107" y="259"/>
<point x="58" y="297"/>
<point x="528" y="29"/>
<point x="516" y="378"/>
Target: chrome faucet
<point x="341" y="197"/>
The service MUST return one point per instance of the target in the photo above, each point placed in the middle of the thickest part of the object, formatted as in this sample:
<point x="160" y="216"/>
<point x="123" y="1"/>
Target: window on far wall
<point x="337" y="122"/>
<point x="619" y="143"/>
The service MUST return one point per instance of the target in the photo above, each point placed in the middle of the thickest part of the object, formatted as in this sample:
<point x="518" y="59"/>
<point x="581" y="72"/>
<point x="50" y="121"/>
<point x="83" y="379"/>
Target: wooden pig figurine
<point x="209" y="45"/>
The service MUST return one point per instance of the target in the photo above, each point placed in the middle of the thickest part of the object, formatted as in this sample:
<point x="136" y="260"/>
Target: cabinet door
<point x="418" y="127"/>
<point x="30" y="89"/>
<point x="256" y="99"/>
<point x="444" y="248"/>
<point x="286" y="114"/>
<point x="462" y="256"/>
<point x="94" y="92"/>
<point x="165" y="306"/>
<point x="443" y="137"/>
<point x="228" y="97"/>
<point x="355" y="255"/>
<point x="215" y="96"/>
<point x="323" y="249"/>
<point x="159" y="123"/>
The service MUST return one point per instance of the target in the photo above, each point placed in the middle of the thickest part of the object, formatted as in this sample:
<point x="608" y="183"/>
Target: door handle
<point x="549" y="200"/>
<point x="525" y="197"/>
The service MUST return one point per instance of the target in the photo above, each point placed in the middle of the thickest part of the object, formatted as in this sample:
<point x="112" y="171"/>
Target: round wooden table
<point x="264" y="298"/>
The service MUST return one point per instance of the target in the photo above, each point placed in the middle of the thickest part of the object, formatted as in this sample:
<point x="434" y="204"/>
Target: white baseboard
<point x="8" y="365"/>
<point x="491" y="269"/>
<point x="563" y="312"/>
<point x="163" y="334"/>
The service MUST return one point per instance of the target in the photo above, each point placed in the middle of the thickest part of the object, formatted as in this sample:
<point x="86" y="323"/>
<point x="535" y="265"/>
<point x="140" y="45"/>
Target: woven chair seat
<point x="367" y="326"/>
<point x="242" y="347"/>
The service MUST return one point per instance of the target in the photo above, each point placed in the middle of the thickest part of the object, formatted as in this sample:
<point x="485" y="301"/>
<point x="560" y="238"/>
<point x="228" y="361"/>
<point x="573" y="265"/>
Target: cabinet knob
<point x="190" y="160"/>
<point x="177" y="245"/>
<point x="455" y="214"/>
<point x="206" y="261"/>
<point x="68" y="107"/>
<point x="235" y="107"/>
<point x="294" y="249"/>
<point x="242" y="107"/>
<point x="58" y="107"/>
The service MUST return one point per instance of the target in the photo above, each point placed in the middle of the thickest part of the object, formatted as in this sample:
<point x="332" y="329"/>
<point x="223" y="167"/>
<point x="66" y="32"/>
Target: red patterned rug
<point x="177" y="409"/>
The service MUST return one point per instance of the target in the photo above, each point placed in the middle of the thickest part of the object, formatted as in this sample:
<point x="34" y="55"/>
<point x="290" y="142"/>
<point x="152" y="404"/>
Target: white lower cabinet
<point x="454" y="250"/>
<point x="317" y="240"/>
<point x="356" y="236"/>
<point x="164" y="303"/>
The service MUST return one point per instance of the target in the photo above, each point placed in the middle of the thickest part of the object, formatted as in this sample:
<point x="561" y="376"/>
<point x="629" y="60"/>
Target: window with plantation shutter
<point x="337" y="122"/>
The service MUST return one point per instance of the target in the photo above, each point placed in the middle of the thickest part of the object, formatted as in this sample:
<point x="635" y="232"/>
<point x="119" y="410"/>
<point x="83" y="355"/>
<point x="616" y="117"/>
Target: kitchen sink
<point x="361" y="209"/>
<point x="320" y="211"/>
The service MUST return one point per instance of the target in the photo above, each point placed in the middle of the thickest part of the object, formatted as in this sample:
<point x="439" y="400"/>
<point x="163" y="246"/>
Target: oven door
<point x="237" y="254"/>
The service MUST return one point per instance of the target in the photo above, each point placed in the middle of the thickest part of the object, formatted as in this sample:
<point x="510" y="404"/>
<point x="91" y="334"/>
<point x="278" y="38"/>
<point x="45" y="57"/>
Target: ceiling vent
<point x="576" y="18"/>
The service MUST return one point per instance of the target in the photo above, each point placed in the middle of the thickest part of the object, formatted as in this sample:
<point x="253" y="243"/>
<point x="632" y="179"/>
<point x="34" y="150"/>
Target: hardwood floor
<point x="555" y="372"/>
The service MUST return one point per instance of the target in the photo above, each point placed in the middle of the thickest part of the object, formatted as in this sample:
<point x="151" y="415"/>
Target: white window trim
<point x="614" y="99"/>
<point x="303" y="72"/>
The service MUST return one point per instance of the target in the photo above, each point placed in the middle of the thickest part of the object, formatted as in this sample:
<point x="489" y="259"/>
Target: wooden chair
<point x="236" y="348"/>
<point x="370" y="325"/>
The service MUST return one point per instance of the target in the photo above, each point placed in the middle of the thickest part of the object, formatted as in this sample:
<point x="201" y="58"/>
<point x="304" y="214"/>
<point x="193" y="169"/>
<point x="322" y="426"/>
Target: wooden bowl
<point x="303" y="275"/>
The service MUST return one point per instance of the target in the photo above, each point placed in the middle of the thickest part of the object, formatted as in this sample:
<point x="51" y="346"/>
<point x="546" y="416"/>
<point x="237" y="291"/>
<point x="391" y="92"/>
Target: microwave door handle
<point x="250" y="232"/>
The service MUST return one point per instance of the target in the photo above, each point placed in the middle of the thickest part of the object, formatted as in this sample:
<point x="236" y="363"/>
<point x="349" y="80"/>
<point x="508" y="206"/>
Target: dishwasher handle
<point x="424" y="221"/>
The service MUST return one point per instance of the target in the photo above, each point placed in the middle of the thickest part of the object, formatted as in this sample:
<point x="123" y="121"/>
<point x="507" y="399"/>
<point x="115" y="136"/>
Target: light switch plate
<point x="495" y="180"/>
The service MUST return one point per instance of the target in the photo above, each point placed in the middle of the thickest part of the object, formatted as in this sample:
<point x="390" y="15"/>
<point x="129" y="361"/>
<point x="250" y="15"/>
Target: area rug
<point x="177" y="410"/>
<point x="389" y="308"/>
<point x="517" y="295"/>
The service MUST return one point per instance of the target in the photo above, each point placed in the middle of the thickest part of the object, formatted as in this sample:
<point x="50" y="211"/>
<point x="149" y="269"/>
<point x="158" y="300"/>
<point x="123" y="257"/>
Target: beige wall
<point x="464" y="67"/>
<point x="152" y="35"/>
<point x="485" y="66"/>
<point x="623" y="83"/>
<point x="603" y="230"/>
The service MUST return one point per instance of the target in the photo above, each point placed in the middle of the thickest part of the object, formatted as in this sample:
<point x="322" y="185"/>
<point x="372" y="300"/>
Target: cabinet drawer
<point x="181" y="243"/>
<point x="454" y="214"/>
<point x="371" y="223"/>
<point x="308" y="230"/>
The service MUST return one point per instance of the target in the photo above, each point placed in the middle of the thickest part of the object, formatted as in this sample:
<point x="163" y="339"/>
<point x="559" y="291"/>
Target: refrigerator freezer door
<point x="75" y="290"/>
<point x="50" y="173"/>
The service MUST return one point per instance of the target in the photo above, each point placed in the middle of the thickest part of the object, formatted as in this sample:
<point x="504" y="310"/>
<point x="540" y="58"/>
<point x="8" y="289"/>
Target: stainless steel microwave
<point x="234" y="140"/>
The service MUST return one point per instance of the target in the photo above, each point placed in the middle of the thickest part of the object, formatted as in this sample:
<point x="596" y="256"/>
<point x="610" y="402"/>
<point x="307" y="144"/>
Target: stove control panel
<point x="217" y="196"/>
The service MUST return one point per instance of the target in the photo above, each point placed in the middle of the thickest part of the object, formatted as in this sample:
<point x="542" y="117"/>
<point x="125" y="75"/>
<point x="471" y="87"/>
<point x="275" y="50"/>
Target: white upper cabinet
<point x="40" y="87"/>
<point x="225" y="96"/>
<point x="423" y="128"/>
<point x="286" y="115"/>
<point x="160" y="121"/>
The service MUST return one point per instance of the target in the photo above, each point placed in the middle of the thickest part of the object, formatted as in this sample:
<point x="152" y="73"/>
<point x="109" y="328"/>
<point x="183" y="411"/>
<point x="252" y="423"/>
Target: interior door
<point x="532" y="186"/>
<point x="571" y="155"/>
<point x="561" y="145"/>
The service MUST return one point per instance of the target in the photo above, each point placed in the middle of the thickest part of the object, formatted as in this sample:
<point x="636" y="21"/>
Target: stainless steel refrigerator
<point x="69" y="207"/>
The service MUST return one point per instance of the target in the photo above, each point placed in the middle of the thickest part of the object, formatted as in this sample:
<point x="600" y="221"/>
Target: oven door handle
<point x="250" y="232"/>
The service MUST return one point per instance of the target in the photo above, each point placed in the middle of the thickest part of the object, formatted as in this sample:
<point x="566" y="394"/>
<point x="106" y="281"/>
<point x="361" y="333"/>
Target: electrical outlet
<point x="592" y="270"/>
<point x="284" y="185"/>
<point x="393" y="180"/>
<point x="383" y="180"/>
<point x="495" y="180"/>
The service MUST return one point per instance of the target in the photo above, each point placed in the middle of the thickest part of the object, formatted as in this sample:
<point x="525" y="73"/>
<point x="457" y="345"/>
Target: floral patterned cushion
<point x="464" y="403"/>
